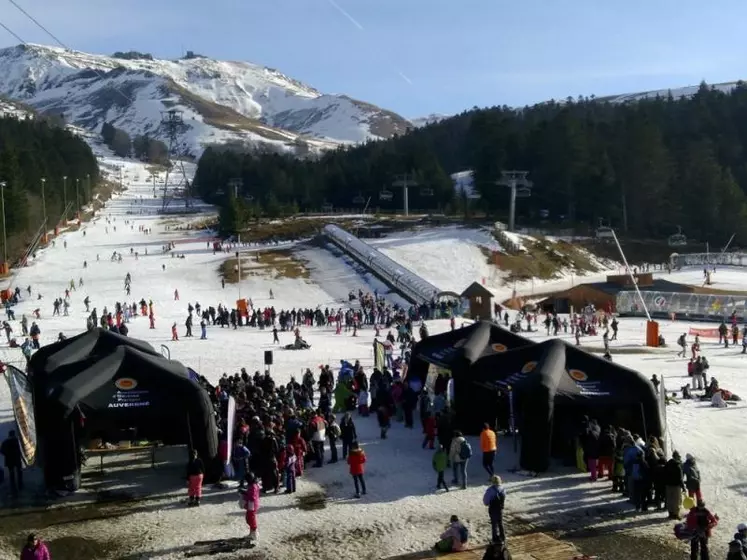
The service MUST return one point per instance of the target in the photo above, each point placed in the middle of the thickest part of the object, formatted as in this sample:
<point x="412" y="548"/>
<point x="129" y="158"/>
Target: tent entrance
<point x="142" y="427"/>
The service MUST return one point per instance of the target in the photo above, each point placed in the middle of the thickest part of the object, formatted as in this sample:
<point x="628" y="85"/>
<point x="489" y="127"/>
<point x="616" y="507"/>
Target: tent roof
<point x="574" y="373"/>
<point x="84" y="347"/>
<point x="170" y="376"/>
<point x="479" y="339"/>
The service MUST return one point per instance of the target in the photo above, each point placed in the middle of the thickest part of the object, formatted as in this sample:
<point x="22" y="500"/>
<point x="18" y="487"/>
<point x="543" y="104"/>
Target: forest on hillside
<point x="32" y="150"/>
<point x="644" y="168"/>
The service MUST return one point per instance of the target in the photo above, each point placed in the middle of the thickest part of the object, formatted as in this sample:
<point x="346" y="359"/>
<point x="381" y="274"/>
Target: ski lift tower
<point x="405" y="181"/>
<point x="520" y="186"/>
<point x="172" y="122"/>
<point x="235" y="186"/>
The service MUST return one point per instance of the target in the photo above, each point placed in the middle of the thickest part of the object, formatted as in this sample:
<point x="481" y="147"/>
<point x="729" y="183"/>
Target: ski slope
<point x="401" y="512"/>
<point x="453" y="257"/>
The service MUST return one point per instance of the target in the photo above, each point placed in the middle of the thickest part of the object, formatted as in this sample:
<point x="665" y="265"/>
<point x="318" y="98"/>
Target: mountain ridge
<point x="257" y="105"/>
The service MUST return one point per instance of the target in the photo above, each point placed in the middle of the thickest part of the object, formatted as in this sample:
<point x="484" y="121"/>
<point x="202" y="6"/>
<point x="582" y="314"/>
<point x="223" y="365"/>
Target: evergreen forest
<point x="645" y="168"/>
<point x="32" y="150"/>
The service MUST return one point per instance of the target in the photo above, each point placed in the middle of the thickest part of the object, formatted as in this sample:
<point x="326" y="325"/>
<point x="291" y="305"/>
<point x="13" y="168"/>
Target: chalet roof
<point x="476" y="290"/>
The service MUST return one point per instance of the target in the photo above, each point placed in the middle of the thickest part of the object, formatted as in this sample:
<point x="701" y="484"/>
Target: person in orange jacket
<point x="488" y="445"/>
<point x="701" y="522"/>
<point x="174" y="334"/>
<point x="356" y="460"/>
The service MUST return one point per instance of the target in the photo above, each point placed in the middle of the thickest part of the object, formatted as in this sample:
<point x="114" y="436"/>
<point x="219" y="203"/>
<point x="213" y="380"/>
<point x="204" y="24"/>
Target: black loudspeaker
<point x="268" y="357"/>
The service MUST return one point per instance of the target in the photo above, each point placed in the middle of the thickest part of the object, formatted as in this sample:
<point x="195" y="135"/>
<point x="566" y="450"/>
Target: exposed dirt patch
<point x="618" y="545"/>
<point x="273" y="264"/>
<point x="312" y="502"/>
<point x="541" y="259"/>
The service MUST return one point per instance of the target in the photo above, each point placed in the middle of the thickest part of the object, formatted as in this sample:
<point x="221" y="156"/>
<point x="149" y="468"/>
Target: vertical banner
<point x="230" y="423"/>
<point x="379" y="357"/>
<point x="23" y="410"/>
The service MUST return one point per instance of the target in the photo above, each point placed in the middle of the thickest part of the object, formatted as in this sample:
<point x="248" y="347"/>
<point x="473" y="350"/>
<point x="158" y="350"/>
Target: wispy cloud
<point x="405" y="78"/>
<point x="340" y="9"/>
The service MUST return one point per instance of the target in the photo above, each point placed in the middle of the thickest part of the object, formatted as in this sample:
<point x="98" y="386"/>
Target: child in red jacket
<point x="429" y="429"/>
<point x="356" y="460"/>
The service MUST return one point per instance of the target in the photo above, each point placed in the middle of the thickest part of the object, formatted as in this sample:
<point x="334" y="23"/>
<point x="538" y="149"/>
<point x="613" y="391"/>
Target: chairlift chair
<point x="326" y="207"/>
<point x="426" y="191"/>
<point x="220" y="192"/>
<point x="249" y="198"/>
<point x="678" y="239"/>
<point x="386" y="195"/>
<point x="359" y="199"/>
<point x="604" y="232"/>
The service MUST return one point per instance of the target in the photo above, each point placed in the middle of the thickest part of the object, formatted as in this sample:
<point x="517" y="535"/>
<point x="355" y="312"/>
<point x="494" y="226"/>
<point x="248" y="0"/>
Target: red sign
<point x="707" y="333"/>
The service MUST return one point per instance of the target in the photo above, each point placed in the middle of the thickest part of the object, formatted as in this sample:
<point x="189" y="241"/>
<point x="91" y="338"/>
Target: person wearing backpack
<point x="459" y="455"/>
<point x="455" y="538"/>
<point x="495" y="499"/>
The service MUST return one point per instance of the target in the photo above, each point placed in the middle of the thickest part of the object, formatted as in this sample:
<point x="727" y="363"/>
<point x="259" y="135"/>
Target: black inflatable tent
<point x="103" y="383"/>
<point x="456" y="351"/>
<point x="553" y="384"/>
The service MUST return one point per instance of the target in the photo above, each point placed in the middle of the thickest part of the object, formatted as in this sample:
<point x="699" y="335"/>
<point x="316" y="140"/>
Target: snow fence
<point x="406" y="282"/>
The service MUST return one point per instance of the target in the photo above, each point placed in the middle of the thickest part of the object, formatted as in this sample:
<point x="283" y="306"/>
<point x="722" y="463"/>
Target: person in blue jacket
<point x="495" y="500"/>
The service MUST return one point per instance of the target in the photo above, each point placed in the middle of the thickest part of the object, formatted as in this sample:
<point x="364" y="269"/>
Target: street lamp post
<point x="3" y="184"/>
<point x="64" y="195"/>
<point x="44" y="202"/>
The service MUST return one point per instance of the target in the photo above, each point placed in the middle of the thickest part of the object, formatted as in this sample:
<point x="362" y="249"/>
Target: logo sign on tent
<point x="660" y="301"/>
<point x="588" y="387"/>
<point x="529" y="367"/>
<point x="525" y="370"/>
<point x="128" y="395"/>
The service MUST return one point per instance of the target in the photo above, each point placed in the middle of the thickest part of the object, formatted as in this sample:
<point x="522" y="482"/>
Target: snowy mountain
<point x="687" y="91"/>
<point x="221" y="101"/>
<point x="10" y="108"/>
<point x="430" y="119"/>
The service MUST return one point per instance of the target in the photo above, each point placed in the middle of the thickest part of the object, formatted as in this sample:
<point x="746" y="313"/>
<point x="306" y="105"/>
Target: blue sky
<point x="423" y="56"/>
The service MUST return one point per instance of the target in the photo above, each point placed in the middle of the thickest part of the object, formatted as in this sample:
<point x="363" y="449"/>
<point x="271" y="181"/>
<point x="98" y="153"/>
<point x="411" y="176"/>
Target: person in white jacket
<point x="717" y="400"/>
<point x="459" y="454"/>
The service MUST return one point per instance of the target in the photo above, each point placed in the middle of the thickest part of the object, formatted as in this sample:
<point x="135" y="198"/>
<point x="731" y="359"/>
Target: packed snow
<point x="454" y="257"/>
<point x="402" y="512"/>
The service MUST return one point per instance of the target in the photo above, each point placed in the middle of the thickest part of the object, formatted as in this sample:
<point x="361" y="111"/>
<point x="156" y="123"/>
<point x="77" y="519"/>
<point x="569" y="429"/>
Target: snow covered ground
<point x="401" y="512"/>
<point x="453" y="257"/>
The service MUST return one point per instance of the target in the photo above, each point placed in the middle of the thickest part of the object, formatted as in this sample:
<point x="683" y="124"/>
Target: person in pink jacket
<point x="251" y="498"/>
<point x="35" y="549"/>
<point x="455" y="538"/>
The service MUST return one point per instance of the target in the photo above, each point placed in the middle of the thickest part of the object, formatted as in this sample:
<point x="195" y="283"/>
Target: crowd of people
<point x="280" y="431"/>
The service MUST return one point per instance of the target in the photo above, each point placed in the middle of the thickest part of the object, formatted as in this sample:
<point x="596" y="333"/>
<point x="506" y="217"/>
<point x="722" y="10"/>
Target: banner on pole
<point x="379" y="355"/>
<point x="230" y="422"/>
<point x="21" y="397"/>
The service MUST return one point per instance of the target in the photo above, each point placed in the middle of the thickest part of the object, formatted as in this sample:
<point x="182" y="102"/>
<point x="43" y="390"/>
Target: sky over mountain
<point x="418" y="57"/>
